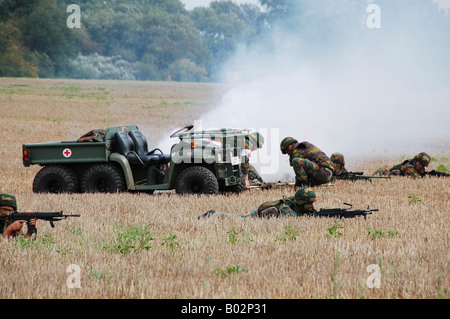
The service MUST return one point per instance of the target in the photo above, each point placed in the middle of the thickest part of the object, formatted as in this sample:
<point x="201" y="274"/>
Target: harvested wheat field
<point x="136" y="245"/>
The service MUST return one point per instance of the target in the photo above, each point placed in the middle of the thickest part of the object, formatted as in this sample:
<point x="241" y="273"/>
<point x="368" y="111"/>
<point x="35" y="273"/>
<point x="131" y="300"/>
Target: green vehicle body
<point x="197" y="154"/>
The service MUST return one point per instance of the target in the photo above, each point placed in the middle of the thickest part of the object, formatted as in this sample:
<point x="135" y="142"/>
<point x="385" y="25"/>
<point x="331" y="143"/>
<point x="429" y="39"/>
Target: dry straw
<point x="136" y="245"/>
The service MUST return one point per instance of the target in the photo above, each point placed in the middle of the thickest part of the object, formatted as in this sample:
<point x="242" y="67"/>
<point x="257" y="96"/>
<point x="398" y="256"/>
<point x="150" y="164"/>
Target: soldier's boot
<point x="207" y="213"/>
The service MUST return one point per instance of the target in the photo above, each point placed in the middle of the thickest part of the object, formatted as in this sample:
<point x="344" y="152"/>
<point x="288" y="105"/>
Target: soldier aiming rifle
<point x="414" y="167"/>
<point x="11" y="221"/>
<point x="30" y="216"/>
<point x="340" y="172"/>
<point x="300" y="204"/>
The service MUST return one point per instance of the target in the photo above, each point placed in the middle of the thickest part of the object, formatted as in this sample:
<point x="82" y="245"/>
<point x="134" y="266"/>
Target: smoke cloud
<point x="323" y="75"/>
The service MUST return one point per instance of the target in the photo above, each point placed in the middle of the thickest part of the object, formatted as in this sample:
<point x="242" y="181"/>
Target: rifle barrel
<point x="39" y="215"/>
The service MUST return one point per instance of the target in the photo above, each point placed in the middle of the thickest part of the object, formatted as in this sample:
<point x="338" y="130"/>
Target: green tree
<point x="153" y="36"/>
<point x="12" y="52"/>
<point x="184" y="70"/>
<point x="17" y="8"/>
<point x="224" y="26"/>
<point x="45" y="31"/>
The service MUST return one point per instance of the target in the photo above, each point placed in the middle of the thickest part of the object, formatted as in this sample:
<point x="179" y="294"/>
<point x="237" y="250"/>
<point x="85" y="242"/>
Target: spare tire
<point x="103" y="178"/>
<point x="196" y="180"/>
<point x="56" y="179"/>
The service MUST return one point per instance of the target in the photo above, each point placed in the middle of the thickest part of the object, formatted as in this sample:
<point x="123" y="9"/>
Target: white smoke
<point x="342" y="86"/>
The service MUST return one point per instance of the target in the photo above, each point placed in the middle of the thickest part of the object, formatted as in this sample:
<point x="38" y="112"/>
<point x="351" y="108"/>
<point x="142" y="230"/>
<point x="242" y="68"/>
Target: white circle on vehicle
<point x="67" y="152"/>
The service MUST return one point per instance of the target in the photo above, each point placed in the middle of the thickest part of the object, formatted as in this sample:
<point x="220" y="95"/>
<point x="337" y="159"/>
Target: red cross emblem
<point x="67" y="153"/>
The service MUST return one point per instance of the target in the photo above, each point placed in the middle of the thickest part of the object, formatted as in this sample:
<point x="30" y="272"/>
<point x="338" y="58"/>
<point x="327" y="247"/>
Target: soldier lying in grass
<point x="414" y="167"/>
<point x="301" y="204"/>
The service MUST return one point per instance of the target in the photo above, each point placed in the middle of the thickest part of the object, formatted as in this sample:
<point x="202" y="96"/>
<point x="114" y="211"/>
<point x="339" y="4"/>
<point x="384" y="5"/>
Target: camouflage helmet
<point x="305" y="196"/>
<point x="285" y="144"/>
<point x="422" y="158"/>
<point x="8" y="200"/>
<point x="337" y="158"/>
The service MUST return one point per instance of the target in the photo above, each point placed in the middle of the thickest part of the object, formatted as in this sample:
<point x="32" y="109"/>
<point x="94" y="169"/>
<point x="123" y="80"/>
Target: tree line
<point x="122" y="39"/>
<point x="152" y="39"/>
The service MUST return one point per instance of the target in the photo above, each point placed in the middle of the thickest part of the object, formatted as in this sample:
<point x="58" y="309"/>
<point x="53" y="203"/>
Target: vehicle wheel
<point x="103" y="178"/>
<point x="196" y="180"/>
<point x="235" y="188"/>
<point x="55" y="179"/>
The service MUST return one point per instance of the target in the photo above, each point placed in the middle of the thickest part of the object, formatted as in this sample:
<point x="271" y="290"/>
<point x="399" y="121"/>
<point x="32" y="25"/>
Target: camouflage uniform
<point x="311" y="165"/>
<point x="414" y="167"/>
<point x="253" y="174"/>
<point x="7" y="200"/>
<point x="93" y="136"/>
<point x="251" y="143"/>
<point x="383" y="171"/>
<point x="339" y="163"/>
<point x="299" y="204"/>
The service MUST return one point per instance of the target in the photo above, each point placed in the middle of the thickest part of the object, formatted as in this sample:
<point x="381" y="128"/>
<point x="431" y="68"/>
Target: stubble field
<point x="136" y="245"/>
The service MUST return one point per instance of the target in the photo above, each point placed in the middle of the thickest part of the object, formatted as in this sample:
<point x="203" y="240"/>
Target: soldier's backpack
<point x="276" y="203"/>
<point x="395" y="169"/>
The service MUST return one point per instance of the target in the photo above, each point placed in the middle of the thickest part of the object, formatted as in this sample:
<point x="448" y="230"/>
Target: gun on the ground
<point x="436" y="173"/>
<point x="354" y="176"/>
<point x="270" y="185"/>
<point x="49" y="216"/>
<point x="344" y="212"/>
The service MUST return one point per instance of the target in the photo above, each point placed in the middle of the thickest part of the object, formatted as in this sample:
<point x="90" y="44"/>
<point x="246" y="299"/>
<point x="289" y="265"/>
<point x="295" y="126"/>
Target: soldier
<point x="8" y="204"/>
<point x="311" y="165"/>
<point x="299" y="204"/>
<point x="252" y="142"/>
<point x="339" y="163"/>
<point x="414" y="167"/>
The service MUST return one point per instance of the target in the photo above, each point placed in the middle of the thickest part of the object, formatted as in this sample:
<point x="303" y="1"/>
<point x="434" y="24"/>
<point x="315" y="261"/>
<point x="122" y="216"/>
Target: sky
<point x="445" y="4"/>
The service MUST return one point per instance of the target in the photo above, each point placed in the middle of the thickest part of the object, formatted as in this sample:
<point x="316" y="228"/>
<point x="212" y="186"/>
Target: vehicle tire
<point x="238" y="188"/>
<point x="56" y="179"/>
<point x="196" y="180"/>
<point x="103" y="178"/>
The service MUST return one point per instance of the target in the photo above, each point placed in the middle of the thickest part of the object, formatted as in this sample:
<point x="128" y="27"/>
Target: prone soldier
<point x="414" y="167"/>
<point x="339" y="163"/>
<point x="301" y="204"/>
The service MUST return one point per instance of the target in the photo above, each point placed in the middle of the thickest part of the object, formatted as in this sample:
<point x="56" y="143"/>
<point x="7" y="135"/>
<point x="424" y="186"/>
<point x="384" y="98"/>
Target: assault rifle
<point x="270" y="185"/>
<point x="344" y="212"/>
<point x="436" y="173"/>
<point x="49" y="216"/>
<point x="353" y="176"/>
<point x="323" y="212"/>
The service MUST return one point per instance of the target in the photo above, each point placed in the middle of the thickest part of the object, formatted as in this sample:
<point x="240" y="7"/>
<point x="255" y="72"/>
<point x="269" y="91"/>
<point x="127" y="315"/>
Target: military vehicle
<point x="201" y="162"/>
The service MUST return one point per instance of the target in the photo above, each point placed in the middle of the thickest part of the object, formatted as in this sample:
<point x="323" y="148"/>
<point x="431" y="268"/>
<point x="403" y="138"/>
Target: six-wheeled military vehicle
<point x="202" y="162"/>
